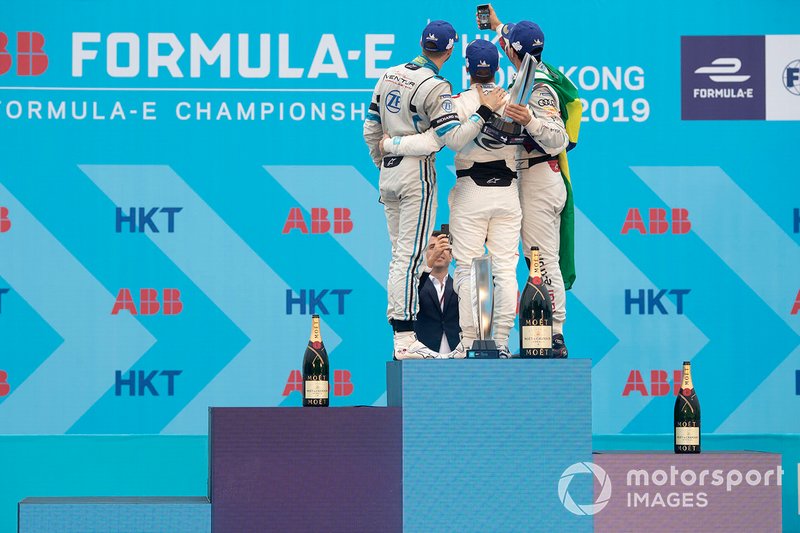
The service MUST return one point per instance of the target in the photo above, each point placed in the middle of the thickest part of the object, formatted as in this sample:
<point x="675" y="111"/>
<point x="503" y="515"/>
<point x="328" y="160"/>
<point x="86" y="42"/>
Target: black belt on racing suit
<point x="489" y="174"/>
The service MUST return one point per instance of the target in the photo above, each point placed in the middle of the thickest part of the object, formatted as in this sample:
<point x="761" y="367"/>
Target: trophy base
<point x="508" y="133"/>
<point x="484" y="349"/>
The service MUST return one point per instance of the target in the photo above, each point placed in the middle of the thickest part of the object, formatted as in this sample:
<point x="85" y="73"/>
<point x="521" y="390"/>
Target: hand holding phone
<point x="483" y="17"/>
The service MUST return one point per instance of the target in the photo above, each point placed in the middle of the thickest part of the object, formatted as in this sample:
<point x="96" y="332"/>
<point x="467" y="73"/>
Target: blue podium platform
<point x="486" y="443"/>
<point x="117" y="514"/>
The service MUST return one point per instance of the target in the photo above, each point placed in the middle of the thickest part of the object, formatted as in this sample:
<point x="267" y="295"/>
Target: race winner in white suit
<point x="484" y="203"/>
<point x="412" y="98"/>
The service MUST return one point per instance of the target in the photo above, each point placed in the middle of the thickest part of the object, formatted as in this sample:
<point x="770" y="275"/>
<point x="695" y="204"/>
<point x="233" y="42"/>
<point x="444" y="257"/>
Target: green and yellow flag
<point x="570" y="107"/>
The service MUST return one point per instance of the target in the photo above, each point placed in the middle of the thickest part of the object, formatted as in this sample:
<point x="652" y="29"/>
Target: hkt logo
<point x="791" y="77"/>
<point x="652" y="301"/>
<point x="603" y="496"/>
<point x="140" y="382"/>
<point x="342" y="384"/>
<point x="149" y="304"/>
<point x="659" y="384"/>
<point x="5" y="388"/>
<point x="796" y="307"/>
<point x="796" y="220"/>
<point x="145" y="219"/>
<point x="659" y="224"/>
<point x="2" y="292"/>
<point x="320" y="223"/>
<point x="309" y="302"/>
<point x="31" y="59"/>
<point x="5" y="222"/>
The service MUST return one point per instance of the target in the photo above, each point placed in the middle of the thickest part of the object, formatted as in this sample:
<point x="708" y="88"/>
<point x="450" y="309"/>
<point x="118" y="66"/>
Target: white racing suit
<point x="484" y="210"/>
<point x="409" y="99"/>
<point x="542" y="192"/>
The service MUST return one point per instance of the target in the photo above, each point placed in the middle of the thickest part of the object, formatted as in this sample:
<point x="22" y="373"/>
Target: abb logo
<point x="342" y="386"/>
<point x="5" y="388"/>
<point x="5" y="222"/>
<point x="148" y="302"/>
<point x="659" y="386"/>
<point x="796" y="306"/>
<point x="31" y="59"/>
<point x="658" y="221"/>
<point x="320" y="222"/>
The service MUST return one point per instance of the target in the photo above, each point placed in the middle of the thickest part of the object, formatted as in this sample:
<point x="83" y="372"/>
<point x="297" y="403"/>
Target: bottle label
<point x="537" y="337"/>
<point x="316" y="390"/>
<point x="687" y="436"/>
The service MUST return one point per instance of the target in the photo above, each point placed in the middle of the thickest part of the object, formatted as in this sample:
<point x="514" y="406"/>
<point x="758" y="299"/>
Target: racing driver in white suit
<point x="409" y="99"/>
<point x="484" y="203"/>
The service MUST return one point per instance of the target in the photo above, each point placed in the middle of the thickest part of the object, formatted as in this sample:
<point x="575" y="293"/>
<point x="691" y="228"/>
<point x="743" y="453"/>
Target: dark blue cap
<point x="482" y="58"/>
<point x="524" y="37"/>
<point x="438" y="36"/>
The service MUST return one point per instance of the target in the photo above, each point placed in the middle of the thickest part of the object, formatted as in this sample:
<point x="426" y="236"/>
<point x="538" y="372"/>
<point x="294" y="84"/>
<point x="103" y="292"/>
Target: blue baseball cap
<point x="482" y="58"/>
<point x="438" y="36"/>
<point x="525" y="37"/>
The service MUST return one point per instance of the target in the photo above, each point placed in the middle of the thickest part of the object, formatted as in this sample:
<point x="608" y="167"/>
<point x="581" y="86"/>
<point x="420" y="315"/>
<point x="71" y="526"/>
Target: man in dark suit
<point x="437" y="320"/>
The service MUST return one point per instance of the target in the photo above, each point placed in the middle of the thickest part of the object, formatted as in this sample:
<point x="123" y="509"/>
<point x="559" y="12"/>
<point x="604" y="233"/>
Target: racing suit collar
<point x="423" y="61"/>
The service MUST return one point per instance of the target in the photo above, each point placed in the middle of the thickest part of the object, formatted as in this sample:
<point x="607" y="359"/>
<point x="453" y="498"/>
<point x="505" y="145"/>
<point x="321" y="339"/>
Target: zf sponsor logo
<point x="311" y="301"/>
<point x="320" y="221"/>
<point x="659" y="383"/>
<point x="659" y="224"/>
<point x="648" y="302"/>
<point x="144" y="382"/>
<point x="342" y="383"/>
<point x="149" y="303"/>
<point x="30" y="56"/>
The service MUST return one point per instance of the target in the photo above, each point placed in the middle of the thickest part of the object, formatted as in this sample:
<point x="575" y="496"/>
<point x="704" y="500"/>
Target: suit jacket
<point x="431" y="320"/>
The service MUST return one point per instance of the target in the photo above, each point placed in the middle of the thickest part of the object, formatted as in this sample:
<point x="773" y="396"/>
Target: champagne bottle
<point x="535" y="314"/>
<point x="315" y="369"/>
<point x="687" y="415"/>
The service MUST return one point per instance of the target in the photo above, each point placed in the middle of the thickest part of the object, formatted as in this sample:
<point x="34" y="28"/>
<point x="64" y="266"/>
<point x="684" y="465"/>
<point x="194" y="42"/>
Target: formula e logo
<point x="791" y="77"/>
<point x="723" y="70"/>
<point x="393" y="101"/>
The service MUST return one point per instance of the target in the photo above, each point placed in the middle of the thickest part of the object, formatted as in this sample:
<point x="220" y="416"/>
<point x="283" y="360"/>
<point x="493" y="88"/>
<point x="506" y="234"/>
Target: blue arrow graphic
<point x="767" y="262"/>
<point x="234" y="277"/>
<point x="601" y="289"/>
<point x="76" y="306"/>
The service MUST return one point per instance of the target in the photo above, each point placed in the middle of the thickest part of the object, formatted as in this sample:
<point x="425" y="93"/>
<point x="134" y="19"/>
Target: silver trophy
<point x="482" y="287"/>
<point x="503" y="128"/>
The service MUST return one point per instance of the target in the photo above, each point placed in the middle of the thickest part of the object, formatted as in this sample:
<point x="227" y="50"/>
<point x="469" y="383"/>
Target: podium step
<point x="120" y="515"/>
<point x="305" y="469"/>
<point x="485" y="443"/>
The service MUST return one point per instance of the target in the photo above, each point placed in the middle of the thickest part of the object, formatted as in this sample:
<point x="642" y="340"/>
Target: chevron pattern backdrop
<point x="180" y="187"/>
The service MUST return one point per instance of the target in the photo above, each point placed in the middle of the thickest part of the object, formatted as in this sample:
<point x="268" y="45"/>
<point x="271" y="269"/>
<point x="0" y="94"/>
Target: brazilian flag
<point x="570" y="107"/>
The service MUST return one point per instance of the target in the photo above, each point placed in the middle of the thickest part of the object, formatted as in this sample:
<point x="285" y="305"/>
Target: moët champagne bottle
<point x="535" y="314"/>
<point x="687" y="415"/>
<point x="316" y="369"/>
